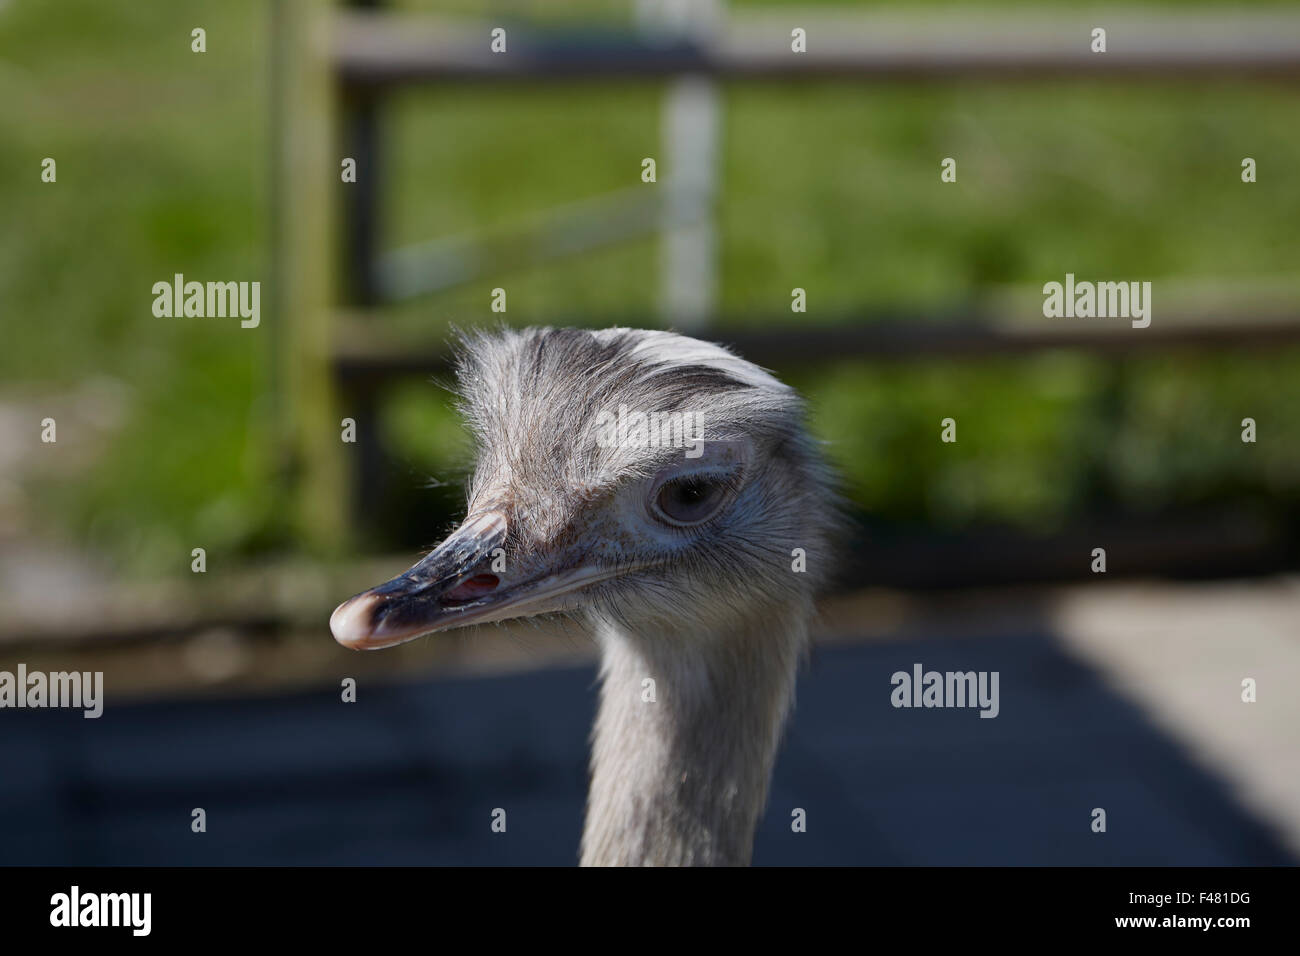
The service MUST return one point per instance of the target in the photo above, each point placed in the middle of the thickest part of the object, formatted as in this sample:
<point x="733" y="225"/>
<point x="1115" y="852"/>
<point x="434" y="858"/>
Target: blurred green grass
<point x="164" y="167"/>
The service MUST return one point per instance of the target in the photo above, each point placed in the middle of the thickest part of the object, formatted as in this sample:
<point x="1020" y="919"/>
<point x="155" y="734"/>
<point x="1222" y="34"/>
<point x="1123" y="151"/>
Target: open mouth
<point x="470" y="590"/>
<point x="449" y="588"/>
<point x="405" y="608"/>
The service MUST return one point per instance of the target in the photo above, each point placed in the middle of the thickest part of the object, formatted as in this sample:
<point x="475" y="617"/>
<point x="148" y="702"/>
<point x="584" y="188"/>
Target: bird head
<point x="636" y="476"/>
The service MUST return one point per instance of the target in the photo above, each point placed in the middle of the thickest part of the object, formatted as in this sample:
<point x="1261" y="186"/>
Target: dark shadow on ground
<point x="410" y="774"/>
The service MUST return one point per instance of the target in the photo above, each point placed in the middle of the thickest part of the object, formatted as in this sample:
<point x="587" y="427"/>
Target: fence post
<point x="691" y="124"/>
<point x="309" y="451"/>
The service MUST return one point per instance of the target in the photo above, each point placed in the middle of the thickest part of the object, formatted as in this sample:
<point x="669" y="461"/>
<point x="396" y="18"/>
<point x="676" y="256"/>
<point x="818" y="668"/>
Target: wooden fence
<point x="334" y="70"/>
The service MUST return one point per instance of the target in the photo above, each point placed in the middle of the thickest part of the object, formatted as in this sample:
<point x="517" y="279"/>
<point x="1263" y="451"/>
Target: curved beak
<point x="453" y="586"/>
<point x="429" y="596"/>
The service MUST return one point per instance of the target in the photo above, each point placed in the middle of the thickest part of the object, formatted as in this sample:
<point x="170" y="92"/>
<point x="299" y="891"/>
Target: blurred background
<point x="775" y="171"/>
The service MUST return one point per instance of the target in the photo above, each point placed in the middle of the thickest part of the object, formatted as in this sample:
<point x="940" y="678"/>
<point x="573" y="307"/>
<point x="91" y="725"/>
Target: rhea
<point x="694" y="566"/>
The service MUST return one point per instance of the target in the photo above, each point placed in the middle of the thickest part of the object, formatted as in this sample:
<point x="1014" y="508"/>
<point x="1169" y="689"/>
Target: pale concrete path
<point x="1181" y="654"/>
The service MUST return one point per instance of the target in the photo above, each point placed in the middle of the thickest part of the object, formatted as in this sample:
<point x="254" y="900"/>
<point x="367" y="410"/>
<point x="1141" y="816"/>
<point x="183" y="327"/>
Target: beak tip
<point x="351" y="622"/>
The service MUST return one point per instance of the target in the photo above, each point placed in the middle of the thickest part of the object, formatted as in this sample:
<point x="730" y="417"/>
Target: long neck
<point x="681" y="779"/>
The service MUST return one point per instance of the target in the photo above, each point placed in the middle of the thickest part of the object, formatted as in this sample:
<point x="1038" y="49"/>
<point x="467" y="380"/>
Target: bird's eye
<point x="691" y="499"/>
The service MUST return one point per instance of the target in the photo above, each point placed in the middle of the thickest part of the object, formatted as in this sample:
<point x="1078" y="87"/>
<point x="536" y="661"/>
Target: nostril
<point x="471" y="588"/>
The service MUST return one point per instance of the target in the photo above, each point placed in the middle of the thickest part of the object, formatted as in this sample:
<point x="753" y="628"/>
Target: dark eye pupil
<point x="690" y="500"/>
<point x="691" y="491"/>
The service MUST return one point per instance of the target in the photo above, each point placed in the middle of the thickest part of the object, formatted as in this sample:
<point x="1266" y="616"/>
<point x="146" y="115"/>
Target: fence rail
<point x="365" y="359"/>
<point x="370" y="49"/>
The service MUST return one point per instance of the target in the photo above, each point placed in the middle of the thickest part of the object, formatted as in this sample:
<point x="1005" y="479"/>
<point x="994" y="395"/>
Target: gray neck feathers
<point x="682" y="780"/>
